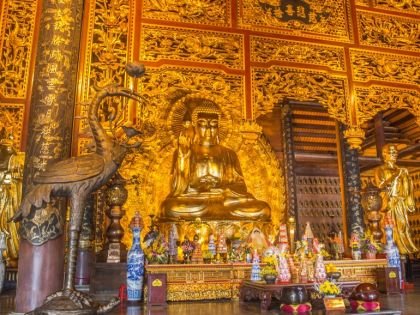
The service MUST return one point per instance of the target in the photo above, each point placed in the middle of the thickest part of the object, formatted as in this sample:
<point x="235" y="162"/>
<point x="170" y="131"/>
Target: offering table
<point x="189" y="282"/>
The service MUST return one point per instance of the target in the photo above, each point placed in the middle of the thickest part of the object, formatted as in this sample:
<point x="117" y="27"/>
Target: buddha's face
<point x="207" y="128"/>
<point x="390" y="154"/>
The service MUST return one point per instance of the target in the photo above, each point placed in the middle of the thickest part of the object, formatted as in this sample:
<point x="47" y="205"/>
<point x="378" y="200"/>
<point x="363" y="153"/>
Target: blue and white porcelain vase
<point x="135" y="262"/>
<point x="392" y="252"/>
<point x="2" y="263"/>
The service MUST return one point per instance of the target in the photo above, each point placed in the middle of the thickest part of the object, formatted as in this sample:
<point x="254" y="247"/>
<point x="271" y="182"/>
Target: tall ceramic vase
<point x="135" y="262"/>
<point x="392" y="252"/>
<point x="2" y="264"/>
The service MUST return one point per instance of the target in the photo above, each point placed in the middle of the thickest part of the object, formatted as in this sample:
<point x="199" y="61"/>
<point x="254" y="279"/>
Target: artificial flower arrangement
<point x="268" y="270"/>
<point x="328" y="288"/>
<point x="355" y="242"/>
<point x="187" y="247"/>
<point x="270" y="266"/>
<point x="157" y="252"/>
<point x="370" y="245"/>
<point x="207" y="256"/>
<point x="270" y="260"/>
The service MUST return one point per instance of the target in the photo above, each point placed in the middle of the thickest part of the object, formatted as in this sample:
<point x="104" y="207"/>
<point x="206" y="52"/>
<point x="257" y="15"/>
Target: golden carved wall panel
<point x="211" y="12"/>
<point x="11" y="118"/>
<point x="406" y="6"/>
<point x="308" y="18"/>
<point x="389" y="31"/>
<point x="265" y="49"/>
<point x="385" y="67"/>
<point x="107" y="50"/>
<point x="187" y="44"/>
<point x="16" y="37"/>
<point x="274" y="85"/>
<point x="371" y="101"/>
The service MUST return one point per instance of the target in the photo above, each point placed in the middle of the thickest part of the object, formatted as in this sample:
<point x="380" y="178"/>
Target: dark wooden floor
<point x="408" y="303"/>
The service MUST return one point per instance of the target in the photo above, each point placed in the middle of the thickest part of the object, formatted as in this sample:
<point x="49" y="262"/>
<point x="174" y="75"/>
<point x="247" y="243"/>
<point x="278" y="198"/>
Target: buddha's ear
<point x="217" y="139"/>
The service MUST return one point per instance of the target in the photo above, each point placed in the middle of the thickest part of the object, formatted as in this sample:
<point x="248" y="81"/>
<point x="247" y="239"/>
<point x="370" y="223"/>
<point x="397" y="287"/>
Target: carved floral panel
<point x="17" y="31"/>
<point x="298" y="17"/>
<point x="385" y="67"/>
<point x="375" y="99"/>
<point x="192" y="45"/>
<point x="11" y="118"/>
<point x="270" y="49"/>
<point x="402" y="5"/>
<point x="212" y="12"/>
<point x="274" y="85"/>
<point x="389" y="31"/>
<point x="107" y="52"/>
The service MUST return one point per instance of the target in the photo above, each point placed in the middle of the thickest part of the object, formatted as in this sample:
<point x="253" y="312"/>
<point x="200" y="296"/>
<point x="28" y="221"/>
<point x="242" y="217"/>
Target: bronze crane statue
<point x="76" y="178"/>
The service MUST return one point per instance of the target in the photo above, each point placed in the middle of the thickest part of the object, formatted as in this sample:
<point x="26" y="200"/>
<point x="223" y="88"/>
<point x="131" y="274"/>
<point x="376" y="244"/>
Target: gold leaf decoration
<point x="385" y="67"/>
<point x="11" y="118"/>
<point x="17" y="29"/>
<point x="270" y="49"/>
<point x="274" y="85"/>
<point x="213" y="12"/>
<point x="405" y="5"/>
<point x="389" y="31"/>
<point x="375" y="99"/>
<point x="106" y="54"/>
<point x="191" y="45"/>
<point x="308" y="18"/>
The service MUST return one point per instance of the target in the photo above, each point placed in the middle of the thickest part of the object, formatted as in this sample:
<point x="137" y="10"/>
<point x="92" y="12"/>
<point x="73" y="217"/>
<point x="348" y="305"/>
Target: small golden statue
<point x="207" y="180"/>
<point x="397" y="197"/>
<point x="11" y="173"/>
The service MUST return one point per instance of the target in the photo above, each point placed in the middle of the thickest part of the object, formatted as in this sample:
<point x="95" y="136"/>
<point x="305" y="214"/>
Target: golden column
<point x="41" y="253"/>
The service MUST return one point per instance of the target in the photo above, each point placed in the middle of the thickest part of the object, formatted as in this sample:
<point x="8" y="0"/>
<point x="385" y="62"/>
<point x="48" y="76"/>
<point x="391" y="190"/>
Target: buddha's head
<point x="390" y="153"/>
<point x="205" y="118"/>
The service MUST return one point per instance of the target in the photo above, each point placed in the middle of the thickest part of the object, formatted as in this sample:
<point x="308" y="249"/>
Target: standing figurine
<point x="173" y="247"/>
<point x="11" y="174"/>
<point x="135" y="262"/>
<point x="398" y="198"/>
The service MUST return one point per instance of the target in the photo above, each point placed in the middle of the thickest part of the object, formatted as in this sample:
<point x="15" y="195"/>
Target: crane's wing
<point x="72" y="170"/>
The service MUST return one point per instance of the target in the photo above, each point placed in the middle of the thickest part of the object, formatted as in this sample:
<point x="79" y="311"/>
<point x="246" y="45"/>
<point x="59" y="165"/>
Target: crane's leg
<point x="76" y="215"/>
<point x="69" y="298"/>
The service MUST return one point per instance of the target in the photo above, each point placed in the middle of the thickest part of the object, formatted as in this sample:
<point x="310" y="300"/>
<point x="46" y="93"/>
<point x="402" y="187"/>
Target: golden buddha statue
<point x="207" y="180"/>
<point x="397" y="196"/>
<point x="11" y="171"/>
